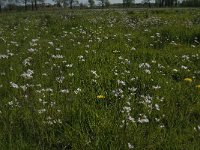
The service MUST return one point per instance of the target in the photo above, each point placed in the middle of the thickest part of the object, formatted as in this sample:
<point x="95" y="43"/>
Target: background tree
<point x="2" y="3"/>
<point x="32" y="4"/>
<point x="147" y="2"/>
<point x="35" y="4"/>
<point x="191" y="3"/>
<point x="72" y="2"/>
<point x="107" y="3"/>
<point x="103" y="3"/>
<point x="83" y="6"/>
<point x="128" y="3"/>
<point x="11" y="4"/>
<point x="39" y="2"/>
<point x="25" y="2"/>
<point x="91" y="3"/>
<point x="60" y="2"/>
<point x="170" y="3"/>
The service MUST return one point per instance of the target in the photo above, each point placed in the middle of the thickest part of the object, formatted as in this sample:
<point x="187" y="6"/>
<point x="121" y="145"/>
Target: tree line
<point x="34" y="4"/>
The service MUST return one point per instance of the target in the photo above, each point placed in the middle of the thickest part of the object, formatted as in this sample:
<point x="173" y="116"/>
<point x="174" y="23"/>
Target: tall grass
<point x="94" y="79"/>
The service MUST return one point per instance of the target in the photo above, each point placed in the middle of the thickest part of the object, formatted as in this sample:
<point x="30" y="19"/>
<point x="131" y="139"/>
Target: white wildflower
<point x="143" y="120"/>
<point x="121" y="82"/>
<point x="40" y="111"/>
<point x="69" y="65"/>
<point x="133" y="49"/>
<point x="71" y="74"/>
<point x="51" y="43"/>
<point x="2" y="56"/>
<point x="156" y="87"/>
<point x="78" y="90"/>
<point x="14" y="85"/>
<point x="31" y="50"/>
<point x="65" y="91"/>
<point x="28" y="74"/>
<point x="175" y="70"/>
<point x="57" y="56"/>
<point x="60" y="79"/>
<point x="130" y="146"/>
<point x="157" y="107"/>
<point x="26" y="61"/>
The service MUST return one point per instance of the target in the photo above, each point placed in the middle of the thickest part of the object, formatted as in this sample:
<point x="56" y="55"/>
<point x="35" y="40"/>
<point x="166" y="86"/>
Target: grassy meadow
<point x="100" y="80"/>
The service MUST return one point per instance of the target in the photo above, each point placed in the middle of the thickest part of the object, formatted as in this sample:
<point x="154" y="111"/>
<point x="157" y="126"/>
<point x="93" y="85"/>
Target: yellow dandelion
<point x="188" y="79"/>
<point x="100" y="97"/>
<point x="198" y="86"/>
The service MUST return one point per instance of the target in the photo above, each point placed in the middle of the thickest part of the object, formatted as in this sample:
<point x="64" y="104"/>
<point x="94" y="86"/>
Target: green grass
<point x="61" y="61"/>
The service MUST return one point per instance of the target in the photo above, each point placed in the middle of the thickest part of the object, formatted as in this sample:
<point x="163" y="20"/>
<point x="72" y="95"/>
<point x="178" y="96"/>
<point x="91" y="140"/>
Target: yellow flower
<point x="198" y="86"/>
<point x="100" y="97"/>
<point x="188" y="79"/>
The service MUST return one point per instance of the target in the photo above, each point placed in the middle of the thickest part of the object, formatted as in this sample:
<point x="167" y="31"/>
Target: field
<point x="100" y="79"/>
